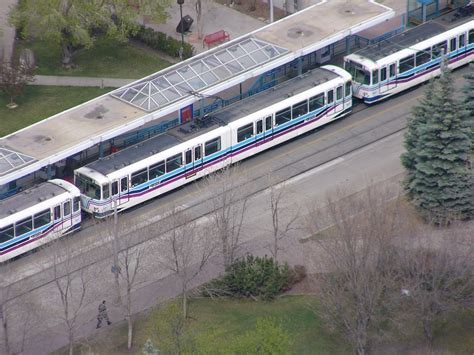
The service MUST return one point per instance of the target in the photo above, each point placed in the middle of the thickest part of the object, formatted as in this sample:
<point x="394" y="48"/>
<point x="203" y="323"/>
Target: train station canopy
<point x="151" y="98"/>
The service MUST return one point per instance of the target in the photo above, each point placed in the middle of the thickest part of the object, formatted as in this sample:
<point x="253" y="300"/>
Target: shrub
<point x="252" y="277"/>
<point x="162" y="42"/>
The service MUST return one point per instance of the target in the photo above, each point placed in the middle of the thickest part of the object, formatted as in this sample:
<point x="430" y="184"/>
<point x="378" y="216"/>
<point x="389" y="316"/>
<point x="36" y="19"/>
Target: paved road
<point x="338" y="155"/>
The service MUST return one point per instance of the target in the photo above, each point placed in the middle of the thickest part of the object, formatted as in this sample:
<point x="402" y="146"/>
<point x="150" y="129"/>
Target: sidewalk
<point x="51" y="80"/>
<point x="7" y="33"/>
<point x="215" y="17"/>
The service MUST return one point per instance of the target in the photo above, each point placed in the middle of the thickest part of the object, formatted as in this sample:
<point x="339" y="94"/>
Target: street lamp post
<point x="180" y="3"/>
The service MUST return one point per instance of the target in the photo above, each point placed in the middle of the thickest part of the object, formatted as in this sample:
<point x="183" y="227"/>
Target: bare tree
<point x="71" y="280"/>
<point x="436" y="277"/>
<point x="228" y="199"/>
<point x="283" y="218"/>
<point x="185" y="250"/>
<point x="356" y="257"/>
<point x="13" y="79"/>
<point x="128" y="265"/>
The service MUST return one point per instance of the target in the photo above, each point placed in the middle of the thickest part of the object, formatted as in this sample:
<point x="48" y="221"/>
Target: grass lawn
<point x="225" y="318"/>
<point x="40" y="102"/>
<point x="108" y="59"/>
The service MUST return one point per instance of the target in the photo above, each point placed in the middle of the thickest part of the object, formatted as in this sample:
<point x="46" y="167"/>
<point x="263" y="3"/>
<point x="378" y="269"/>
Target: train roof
<point x="413" y="36"/>
<point x="29" y="198"/>
<point x="222" y="117"/>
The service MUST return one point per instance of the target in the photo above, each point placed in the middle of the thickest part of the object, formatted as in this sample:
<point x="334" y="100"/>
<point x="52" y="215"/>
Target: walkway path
<point x="7" y="33"/>
<point x="51" y="80"/>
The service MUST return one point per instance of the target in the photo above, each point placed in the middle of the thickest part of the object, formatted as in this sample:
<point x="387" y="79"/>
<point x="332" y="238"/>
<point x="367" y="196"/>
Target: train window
<point x="349" y="86"/>
<point x="339" y="93"/>
<point x="76" y="205"/>
<point x="87" y="186"/>
<point x="330" y="97"/>
<point x="212" y="146"/>
<point x="300" y="109"/>
<point x="124" y="184"/>
<point x="439" y="48"/>
<point x="422" y="57"/>
<point x="105" y="191"/>
<point x="43" y="218"/>
<point x="259" y="127"/>
<point x="67" y="208"/>
<point x="471" y="36"/>
<point x="462" y="40"/>
<point x="23" y="226"/>
<point x="406" y="64"/>
<point x="197" y="152"/>
<point x="174" y="162"/>
<point x="453" y="44"/>
<point x="244" y="132"/>
<point x="316" y="102"/>
<point x="268" y="123"/>
<point x="188" y="156"/>
<point x="375" y="77"/>
<point x="383" y="74"/>
<point x="282" y="116"/>
<point x="157" y="169"/>
<point x="114" y="188"/>
<point x="139" y="177"/>
<point x="57" y="213"/>
<point x="359" y="74"/>
<point x="392" y="70"/>
<point x="6" y="234"/>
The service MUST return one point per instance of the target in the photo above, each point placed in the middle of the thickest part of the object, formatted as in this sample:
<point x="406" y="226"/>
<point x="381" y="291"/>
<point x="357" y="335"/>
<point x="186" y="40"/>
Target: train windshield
<point x="87" y="186"/>
<point x="359" y="74"/>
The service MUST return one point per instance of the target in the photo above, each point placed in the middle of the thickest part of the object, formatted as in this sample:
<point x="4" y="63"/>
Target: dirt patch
<point x="254" y="8"/>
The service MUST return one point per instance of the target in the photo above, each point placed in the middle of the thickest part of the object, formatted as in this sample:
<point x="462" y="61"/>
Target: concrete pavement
<point x="7" y="33"/>
<point x="51" y="80"/>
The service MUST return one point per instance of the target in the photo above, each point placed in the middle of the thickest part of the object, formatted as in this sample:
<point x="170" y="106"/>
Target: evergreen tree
<point x="437" y="159"/>
<point x="469" y="100"/>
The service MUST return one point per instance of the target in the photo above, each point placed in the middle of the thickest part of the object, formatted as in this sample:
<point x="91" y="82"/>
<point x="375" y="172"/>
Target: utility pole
<point x="116" y="266"/>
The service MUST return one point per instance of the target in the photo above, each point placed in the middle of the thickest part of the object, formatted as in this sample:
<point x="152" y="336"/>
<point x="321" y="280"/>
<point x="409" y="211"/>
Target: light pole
<point x="180" y="3"/>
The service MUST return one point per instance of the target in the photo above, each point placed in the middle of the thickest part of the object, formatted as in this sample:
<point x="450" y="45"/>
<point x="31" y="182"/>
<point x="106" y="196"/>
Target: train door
<point x="392" y="76"/>
<point x="339" y="100"/>
<point x="268" y="134"/>
<point x="258" y="132"/>
<point x="67" y="213"/>
<point x="57" y="218"/>
<point x="123" y="196"/>
<point x="193" y="156"/>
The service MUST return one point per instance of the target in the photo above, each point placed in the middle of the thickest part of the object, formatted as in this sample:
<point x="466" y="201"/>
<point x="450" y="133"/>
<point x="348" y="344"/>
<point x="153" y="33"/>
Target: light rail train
<point x="245" y="128"/>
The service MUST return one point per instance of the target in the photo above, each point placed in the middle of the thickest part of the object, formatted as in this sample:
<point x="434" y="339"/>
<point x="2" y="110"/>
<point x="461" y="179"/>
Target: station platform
<point x="165" y="93"/>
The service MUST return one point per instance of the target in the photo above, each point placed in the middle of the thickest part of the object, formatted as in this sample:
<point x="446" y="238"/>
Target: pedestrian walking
<point x="102" y="314"/>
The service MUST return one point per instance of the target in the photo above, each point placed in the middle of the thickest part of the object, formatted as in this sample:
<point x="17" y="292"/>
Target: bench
<point x="216" y="37"/>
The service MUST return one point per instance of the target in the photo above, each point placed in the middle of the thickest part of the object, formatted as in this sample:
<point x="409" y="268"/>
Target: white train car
<point x="411" y="58"/>
<point x="197" y="148"/>
<point x="37" y="216"/>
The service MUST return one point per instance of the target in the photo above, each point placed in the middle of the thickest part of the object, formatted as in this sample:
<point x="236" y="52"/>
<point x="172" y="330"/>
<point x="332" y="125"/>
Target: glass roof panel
<point x="171" y="94"/>
<point x="199" y="67"/>
<point x="174" y="78"/>
<point x="224" y="56"/>
<point x="186" y="72"/>
<point x="221" y="72"/>
<point x="246" y="61"/>
<point x="259" y="56"/>
<point x="184" y="88"/>
<point x="169" y="85"/>
<point x="161" y="83"/>
<point x="11" y="160"/>
<point x="160" y="99"/>
<point x="197" y="83"/>
<point x="237" y="51"/>
<point x="249" y="45"/>
<point x="234" y="67"/>
<point x="209" y="77"/>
